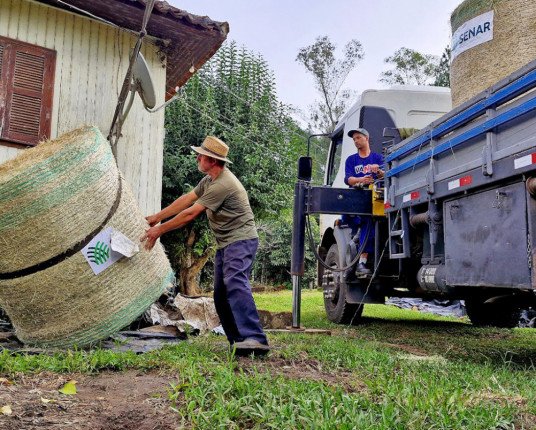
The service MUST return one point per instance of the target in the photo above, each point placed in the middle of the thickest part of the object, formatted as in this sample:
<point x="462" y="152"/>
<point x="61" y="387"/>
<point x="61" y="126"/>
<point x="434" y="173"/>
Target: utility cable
<point x="228" y="128"/>
<point x="319" y="258"/>
<point x="198" y="108"/>
<point x="117" y="122"/>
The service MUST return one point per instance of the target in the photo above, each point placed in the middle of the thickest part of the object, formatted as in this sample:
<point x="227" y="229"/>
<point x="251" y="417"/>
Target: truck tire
<point x="498" y="314"/>
<point x="335" y="290"/>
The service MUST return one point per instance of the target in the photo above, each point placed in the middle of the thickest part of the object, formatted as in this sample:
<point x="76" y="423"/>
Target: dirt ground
<point x="137" y="400"/>
<point x="125" y="400"/>
<point x="110" y="400"/>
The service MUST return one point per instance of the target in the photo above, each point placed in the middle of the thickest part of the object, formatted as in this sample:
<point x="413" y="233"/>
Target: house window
<point x="26" y="88"/>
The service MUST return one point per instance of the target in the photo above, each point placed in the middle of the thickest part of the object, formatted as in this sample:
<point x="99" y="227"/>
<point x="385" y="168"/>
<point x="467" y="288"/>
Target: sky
<point x="277" y="29"/>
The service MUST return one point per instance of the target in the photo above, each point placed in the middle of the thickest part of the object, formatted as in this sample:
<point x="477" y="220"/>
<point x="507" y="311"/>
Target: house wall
<point x="92" y="59"/>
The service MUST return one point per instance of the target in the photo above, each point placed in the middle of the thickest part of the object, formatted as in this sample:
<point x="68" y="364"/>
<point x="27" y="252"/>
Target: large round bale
<point x="54" y="199"/>
<point x="513" y="43"/>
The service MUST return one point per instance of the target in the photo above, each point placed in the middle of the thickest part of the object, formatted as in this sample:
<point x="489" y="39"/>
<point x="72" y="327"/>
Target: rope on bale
<point x="513" y="45"/>
<point x="52" y="197"/>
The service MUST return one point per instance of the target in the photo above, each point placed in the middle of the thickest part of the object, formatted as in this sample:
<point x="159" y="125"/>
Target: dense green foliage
<point x="274" y="254"/>
<point x="400" y="369"/>
<point x="234" y="98"/>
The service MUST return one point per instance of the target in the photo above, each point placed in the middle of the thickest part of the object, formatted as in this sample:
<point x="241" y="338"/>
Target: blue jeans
<point x="232" y="291"/>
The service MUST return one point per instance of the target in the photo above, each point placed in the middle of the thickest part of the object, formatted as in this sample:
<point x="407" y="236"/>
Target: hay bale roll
<point x="513" y="44"/>
<point x="54" y="199"/>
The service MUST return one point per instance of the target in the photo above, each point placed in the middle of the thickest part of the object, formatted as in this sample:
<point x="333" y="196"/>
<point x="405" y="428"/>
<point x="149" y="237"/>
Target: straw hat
<point x="213" y="147"/>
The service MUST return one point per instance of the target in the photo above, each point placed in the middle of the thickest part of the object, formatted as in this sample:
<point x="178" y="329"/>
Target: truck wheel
<point x="335" y="290"/>
<point x="492" y="314"/>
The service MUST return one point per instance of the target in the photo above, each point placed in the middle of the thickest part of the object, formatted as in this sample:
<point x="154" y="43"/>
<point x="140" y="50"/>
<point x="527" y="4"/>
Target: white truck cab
<point x="404" y="106"/>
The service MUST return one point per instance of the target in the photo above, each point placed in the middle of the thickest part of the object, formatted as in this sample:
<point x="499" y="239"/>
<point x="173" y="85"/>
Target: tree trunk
<point x="190" y="267"/>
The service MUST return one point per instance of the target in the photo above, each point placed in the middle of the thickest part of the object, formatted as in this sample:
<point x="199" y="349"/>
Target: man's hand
<point x="374" y="168"/>
<point x="152" y="220"/>
<point x="367" y="180"/>
<point x="150" y="237"/>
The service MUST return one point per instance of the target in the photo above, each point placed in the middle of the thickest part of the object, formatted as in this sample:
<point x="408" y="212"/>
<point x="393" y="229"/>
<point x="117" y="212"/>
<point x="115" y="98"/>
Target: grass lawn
<point x="399" y="369"/>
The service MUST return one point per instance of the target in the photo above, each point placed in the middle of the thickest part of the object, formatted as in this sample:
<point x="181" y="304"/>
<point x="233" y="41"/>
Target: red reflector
<point x="466" y="180"/>
<point x="386" y="205"/>
<point x="415" y="195"/>
<point x="533" y="155"/>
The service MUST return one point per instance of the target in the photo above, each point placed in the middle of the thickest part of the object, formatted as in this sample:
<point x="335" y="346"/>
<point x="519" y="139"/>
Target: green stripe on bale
<point x="48" y="169"/>
<point x="58" y="195"/>
<point x="112" y="325"/>
<point x="469" y="9"/>
<point x="67" y="304"/>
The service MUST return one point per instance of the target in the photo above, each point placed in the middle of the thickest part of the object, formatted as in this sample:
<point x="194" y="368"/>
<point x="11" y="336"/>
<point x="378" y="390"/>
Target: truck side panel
<point x="487" y="238"/>
<point x="505" y="141"/>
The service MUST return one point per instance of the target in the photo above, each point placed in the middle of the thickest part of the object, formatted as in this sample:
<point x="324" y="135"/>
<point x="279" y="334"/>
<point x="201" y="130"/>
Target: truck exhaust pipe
<point x="433" y="278"/>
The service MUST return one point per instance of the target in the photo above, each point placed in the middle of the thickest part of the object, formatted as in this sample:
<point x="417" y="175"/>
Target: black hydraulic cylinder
<point x="298" y="229"/>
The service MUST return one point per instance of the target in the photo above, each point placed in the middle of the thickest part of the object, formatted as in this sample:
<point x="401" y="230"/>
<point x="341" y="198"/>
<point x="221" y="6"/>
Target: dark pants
<point x="366" y="224"/>
<point x="232" y="291"/>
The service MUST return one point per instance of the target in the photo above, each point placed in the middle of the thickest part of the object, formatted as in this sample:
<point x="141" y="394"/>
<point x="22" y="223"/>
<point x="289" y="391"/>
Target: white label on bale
<point x="122" y="244"/>
<point x="472" y="33"/>
<point x="99" y="253"/>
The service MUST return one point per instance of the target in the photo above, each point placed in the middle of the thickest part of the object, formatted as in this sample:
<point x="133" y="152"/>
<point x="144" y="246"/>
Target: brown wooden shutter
<point x="28" y="77"/>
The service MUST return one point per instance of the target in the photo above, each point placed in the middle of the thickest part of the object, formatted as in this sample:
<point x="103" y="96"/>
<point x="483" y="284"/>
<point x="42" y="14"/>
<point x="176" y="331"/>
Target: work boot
<point x="362" y="269"/>
<point x="250" y="346"/>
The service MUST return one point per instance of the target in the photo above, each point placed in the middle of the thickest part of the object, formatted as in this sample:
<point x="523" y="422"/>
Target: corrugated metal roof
<point x="186" y="39"/>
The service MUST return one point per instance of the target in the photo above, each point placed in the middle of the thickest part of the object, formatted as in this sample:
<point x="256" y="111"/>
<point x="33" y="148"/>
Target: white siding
<point x="91" y="63"/>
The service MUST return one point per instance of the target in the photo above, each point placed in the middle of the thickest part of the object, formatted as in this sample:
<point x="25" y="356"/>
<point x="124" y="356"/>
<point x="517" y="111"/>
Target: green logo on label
<point x="98" y="254"/>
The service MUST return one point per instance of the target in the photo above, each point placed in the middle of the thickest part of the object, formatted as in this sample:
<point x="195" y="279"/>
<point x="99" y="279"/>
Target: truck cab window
<point x="334" y="159"/>
<point x="375" y="119"/>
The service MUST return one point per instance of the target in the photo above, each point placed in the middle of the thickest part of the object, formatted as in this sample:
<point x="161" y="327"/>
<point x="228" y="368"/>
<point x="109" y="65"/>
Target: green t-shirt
<point x="229" y="213"/>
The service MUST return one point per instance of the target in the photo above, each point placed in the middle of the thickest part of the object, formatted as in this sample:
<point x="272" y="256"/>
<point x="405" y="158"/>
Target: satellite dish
<point x="142" y="82"/>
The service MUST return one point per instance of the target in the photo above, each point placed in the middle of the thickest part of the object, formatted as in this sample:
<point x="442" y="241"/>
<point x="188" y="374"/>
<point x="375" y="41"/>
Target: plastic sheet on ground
<point x="446" y="308"/>
<point x="193" y="315"/>
<point x="185" y="316"/>
<point x="139" y="341"/>
<point x="528" y="318"/>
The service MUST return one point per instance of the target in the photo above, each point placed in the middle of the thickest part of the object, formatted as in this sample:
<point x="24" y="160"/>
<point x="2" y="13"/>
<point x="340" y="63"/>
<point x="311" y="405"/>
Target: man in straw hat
<point x="221" y="195"/>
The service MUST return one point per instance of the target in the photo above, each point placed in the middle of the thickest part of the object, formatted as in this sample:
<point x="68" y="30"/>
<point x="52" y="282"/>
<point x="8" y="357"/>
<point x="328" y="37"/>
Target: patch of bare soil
<point x="302" y="369"/>
<point x="126" y="400"/>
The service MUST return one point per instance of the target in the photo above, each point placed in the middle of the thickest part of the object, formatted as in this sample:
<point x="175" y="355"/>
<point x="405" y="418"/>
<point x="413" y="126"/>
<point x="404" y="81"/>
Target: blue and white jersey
<point x="358" y="167"/>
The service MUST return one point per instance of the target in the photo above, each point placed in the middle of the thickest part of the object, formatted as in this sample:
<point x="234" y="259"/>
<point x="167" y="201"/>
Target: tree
<point x="274" y="253"/>
<point x="442" y="74"/>
<point x="410" y="68"/>
<point x="329" y="74"/>
<point x="232" y="97"/>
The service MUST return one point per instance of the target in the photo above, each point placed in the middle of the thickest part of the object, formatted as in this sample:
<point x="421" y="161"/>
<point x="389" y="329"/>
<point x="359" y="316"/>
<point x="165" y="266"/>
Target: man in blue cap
<point x="361" y="170"/>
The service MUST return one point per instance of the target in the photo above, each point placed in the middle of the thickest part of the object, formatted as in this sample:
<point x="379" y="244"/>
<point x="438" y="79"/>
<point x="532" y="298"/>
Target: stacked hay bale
<point x="54" y="199"/>
<point x="513" y="45"/>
